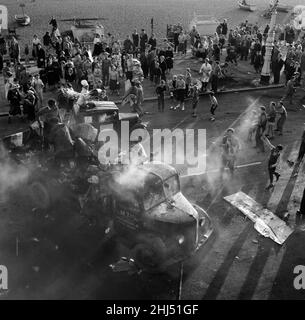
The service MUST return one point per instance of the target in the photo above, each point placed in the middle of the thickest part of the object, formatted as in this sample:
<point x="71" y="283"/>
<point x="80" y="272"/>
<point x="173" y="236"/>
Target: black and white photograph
<point x="152" y="150"/>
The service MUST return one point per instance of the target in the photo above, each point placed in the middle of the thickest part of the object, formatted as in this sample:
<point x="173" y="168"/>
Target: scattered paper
<point x="265" y="222"/>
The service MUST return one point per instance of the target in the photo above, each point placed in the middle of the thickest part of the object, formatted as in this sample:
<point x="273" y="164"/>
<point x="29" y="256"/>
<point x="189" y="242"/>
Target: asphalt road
<point x="52" y="255"/>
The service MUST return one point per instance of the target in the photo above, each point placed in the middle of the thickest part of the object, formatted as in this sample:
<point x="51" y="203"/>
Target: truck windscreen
<point x="153" y="192"/>
<point x="171" y="186"/>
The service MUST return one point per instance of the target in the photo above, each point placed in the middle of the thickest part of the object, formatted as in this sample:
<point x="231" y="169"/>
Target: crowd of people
<point x="247" y="42"/>
<point x="64" y="61"/>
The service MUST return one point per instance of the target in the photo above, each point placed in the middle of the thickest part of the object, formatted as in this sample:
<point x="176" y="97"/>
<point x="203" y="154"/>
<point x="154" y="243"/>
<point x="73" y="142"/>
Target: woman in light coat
<point x="205" y="70"/>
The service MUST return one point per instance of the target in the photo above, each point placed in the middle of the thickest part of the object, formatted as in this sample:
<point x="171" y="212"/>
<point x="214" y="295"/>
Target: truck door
<point x="127" y="212"/>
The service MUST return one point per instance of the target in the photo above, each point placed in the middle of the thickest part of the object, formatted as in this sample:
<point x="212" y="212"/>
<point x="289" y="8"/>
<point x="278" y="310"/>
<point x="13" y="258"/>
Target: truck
<point x="149" y="214"/>
<point x="139" y="206"/>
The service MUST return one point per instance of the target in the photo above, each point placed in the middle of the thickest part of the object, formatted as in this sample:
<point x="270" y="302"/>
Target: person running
<point x="273" y="161"/>
<point x="261" y="128"/>
<point x="214" y="105"/>
<point x="230" y="149"/>
<point x="253" y="125"/>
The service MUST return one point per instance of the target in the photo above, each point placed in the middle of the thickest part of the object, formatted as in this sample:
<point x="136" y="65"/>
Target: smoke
<point x="127" y="181"/>
<point x="242" y="126"/>
<point x="11" y="174"/>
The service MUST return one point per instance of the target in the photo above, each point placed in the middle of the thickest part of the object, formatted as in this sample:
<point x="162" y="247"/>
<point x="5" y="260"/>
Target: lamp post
<point x="265" y="74"/>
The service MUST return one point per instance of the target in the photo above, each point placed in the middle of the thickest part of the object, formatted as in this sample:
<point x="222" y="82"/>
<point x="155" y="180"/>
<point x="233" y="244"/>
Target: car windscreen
<point x="171" y="186"/>
<point x="153" y="191"/>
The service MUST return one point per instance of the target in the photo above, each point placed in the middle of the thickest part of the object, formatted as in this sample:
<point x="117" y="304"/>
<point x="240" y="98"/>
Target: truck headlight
<point x="180" y="239"/>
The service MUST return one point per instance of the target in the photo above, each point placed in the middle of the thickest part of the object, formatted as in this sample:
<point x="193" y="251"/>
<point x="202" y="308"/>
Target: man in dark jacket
<point x="29" y="104"/>
<point x="41" y="57"/>
<point x="128" y="45"/>
<point x="135" y="39"/>
<point x="46" y="39"/>
<point x="153" y="42"/>
<point x="143" y="40"/>
<point x="163" y="67"/>
<point x="14" y="98"/>
<point x="224" y="27"/>
<point x="277" y="66"/>
<point x="160" y="90"/>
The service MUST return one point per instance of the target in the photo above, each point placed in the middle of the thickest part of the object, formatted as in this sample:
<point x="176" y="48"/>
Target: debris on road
<point x="265" y="222"/>
<point x="125" y="265"/>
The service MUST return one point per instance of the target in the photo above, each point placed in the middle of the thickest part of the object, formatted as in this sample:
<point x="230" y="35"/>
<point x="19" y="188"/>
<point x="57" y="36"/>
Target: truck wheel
<point x="39" y="195"/>
<point x="150" y="256"/>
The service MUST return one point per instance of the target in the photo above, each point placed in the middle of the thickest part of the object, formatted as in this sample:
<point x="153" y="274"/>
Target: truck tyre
<point x="150" y="255"/>
<point x="39" y="195"/>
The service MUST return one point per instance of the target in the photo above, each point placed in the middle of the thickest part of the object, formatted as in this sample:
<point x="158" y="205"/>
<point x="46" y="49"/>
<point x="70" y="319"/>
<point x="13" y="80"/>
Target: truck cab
<point x="152" y="217"/>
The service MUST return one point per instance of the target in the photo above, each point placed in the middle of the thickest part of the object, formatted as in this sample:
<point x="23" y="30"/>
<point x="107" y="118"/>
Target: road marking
<point x="280" y="186"/>
<point x="238" y="271"/>
<point x="202" y="277"/>
<point x="297" y="193"/>
<point x="273" y="263"/>
<point x="252" y="258"/>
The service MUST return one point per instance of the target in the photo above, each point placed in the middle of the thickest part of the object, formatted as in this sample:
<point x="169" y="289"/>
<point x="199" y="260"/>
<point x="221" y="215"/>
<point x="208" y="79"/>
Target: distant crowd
<point x="110" y="63"/>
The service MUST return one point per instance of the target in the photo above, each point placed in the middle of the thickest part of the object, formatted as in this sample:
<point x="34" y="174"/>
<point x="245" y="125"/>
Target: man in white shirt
<point x="206" y="70"/>
<point x="83" y="96"/>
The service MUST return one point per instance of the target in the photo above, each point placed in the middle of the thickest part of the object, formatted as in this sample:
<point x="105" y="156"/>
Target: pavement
<point x="238" y="263"/>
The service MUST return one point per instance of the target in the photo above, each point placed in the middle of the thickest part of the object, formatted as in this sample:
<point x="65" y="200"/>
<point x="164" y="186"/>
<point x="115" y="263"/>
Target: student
<point x="26" y="54"/>
<point x="261" y="128"/>
<point x="271" y="121"/>
<point x="230" y="149"/>
<point x="195" y="100"/>
<point x="273" y="161"/>
<point x="281" y="110"/>
<point x="180" y="93"/>
<point x="160" y="90"/>
<point x="173" y="91"/>
<point x="214" y="105"/>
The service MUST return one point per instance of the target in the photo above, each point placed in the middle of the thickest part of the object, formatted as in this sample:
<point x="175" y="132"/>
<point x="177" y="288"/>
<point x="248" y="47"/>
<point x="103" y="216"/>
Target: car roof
<point x="162" y="170"/>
